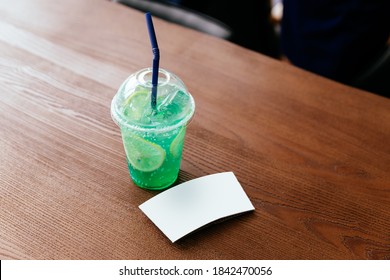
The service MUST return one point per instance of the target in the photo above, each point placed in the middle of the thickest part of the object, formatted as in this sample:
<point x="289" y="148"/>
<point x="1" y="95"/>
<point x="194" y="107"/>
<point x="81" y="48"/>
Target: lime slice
<point x="136" y="104"/>
<point x="143" y="155"/>
<point x="177" y="143"/>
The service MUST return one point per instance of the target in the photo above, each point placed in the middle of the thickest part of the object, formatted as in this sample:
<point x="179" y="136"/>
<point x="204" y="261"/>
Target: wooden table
<point x="312" y="155"/>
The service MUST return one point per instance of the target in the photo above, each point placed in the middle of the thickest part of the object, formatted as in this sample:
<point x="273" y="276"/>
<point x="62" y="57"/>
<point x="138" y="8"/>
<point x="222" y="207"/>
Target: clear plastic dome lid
<point x="131" y="106"/>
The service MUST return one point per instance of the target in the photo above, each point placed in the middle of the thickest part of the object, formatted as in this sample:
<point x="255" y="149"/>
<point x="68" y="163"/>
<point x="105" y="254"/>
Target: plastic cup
<point x="153" y="138"/>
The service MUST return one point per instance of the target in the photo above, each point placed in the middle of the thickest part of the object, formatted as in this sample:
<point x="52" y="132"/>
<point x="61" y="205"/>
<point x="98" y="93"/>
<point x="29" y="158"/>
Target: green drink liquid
<point x="154" y="162"/>
<point x="153" y="138"/>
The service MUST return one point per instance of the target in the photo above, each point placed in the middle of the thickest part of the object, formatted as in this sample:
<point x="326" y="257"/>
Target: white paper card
<point x="186" y="207"/>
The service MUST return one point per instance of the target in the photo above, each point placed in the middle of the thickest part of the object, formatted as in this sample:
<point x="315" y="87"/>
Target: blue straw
<point x="156" y="58"/>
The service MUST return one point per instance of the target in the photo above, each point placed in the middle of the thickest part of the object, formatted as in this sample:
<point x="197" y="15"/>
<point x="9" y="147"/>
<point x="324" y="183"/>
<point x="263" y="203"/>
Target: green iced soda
<point x="153" y="137"/>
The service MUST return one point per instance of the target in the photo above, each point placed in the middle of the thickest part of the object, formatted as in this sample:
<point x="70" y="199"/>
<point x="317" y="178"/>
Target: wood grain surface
<point x="312" y="155"/>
